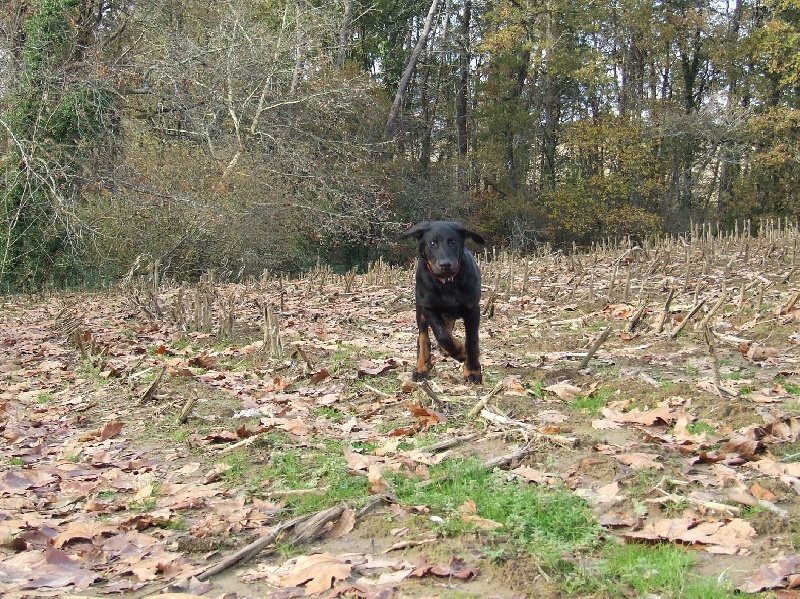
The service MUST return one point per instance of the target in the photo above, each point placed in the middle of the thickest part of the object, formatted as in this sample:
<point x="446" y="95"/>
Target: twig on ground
<point x="509" y="458"/>
<point x="437" y="402"/>
<point x="306" y="528"/>
<point x="529" y="429"/>
<point x="377" y="392"/>
<point x="243" y="443"/>
<point x="709" y="505"/>
<point x="485" y="400"/>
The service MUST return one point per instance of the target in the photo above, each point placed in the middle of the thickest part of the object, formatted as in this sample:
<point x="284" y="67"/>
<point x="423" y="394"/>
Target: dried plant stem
<point x="686" y="320"/>
<point x="272" y="332"/>
<point x="713" y="311"/>
<point x="665" y="312"/>
<point x="789" y="305"/>
<point x="151" y="390"/>
<point x="634" y="321"/>
<point x="187" y="409"/>
<point x="601" y="339"/>
<point x="485" y="400"/>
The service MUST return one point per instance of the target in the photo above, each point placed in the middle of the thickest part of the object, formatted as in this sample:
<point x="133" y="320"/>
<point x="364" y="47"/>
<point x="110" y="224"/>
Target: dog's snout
<point x="445" y="265"/>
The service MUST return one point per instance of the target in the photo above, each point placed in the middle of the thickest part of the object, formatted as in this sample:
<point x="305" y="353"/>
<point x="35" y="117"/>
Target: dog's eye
<point x="451" y="241"/>
<point x="433" y="242"/>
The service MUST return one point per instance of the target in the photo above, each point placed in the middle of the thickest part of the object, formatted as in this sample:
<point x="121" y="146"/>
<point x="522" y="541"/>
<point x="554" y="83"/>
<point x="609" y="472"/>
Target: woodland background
<point x="247" y="135"/>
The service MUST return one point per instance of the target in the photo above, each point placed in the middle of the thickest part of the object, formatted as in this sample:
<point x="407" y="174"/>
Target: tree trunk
<point x="344" y="32"/>
<point x="391" y="123"/>
<point x="462" y="96"/>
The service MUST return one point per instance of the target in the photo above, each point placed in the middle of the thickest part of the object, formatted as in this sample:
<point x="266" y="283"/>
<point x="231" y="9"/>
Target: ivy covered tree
<point x="59" y="123"/>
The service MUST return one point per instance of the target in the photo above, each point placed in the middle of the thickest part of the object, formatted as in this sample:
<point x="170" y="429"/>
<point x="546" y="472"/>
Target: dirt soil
<point x="106" y="489"/>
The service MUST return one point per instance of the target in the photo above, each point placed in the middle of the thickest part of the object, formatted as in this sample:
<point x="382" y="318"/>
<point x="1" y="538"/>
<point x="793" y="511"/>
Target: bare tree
<point x="344" y="32"/>
<point x="391" y="123"/>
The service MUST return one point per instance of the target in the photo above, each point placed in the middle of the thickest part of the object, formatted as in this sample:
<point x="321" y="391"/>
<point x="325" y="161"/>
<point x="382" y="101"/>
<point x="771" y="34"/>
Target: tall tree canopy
<point x="252" y="134"/>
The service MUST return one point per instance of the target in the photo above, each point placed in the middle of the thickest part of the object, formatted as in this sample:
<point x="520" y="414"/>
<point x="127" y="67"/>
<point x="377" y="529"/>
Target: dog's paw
<point x="420" y="376"/>
<point x="474" y="377"/>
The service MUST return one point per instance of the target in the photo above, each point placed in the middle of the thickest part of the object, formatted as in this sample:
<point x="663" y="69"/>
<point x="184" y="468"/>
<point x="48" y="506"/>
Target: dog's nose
<point x="445" y="265"/>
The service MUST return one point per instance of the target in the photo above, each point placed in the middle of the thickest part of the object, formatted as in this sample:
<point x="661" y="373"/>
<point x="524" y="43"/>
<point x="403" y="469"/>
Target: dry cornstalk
<point x="686" y="320"/>
<point x="601" y="338"/>
<point x="349" y="278"/>
<point x="634" y="321"/>
<point x="151" y="390"/>
<point x="713" y="311"/>
<point x="488" y="306"/>
<point x="272" y="333"/>
<point x="663" y="316"/>
<point x="187" y="409"/>
<point x="787" y="307"/>
<point x="760" y="297"/>
<point x="712" y="358"/>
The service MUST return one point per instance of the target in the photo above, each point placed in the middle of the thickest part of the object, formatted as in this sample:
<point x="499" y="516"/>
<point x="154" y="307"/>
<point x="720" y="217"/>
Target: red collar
<point x="446" y="280"/>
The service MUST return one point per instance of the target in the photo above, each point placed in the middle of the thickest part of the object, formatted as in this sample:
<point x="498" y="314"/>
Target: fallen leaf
<point x="344" y="525"/>
<point x="83" y="530"/>
<point x="112" y="429"/>
<point x="638" y="461"/>
<point x="719" y="536"/>
<point x="316" y="573"/>
<point x="377" y="484"/>
<point x="772" y="576"/>
<point x="355" y="461"/>
<point x="564" y="390"/>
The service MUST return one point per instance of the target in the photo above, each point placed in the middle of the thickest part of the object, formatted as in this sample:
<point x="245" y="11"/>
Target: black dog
<point x="448" y="287"/>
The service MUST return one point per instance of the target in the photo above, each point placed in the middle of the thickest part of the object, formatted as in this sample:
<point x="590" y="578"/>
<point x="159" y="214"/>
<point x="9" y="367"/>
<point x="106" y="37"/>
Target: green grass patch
<point x="329" y="413"/>
<point x="543" y="522"/>
<point x="298" y="469"/>
<point x="594" y="402"/>
<point x="537" y="390"/>
<point x="663" y="570"/>
<point x="699" y="427"/>
<point x="44" y="398"/>
<point x="792" y="388"/>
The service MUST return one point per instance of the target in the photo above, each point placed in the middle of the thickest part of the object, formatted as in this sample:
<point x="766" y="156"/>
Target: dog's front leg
<point x="423" y="368"/>
<point x="443" y="331"/>
<point x="472" y="365"/>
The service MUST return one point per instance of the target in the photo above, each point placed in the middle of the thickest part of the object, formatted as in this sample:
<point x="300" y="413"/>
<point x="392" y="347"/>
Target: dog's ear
<point x="472" y="235"/>
<point x="417" y="231"/>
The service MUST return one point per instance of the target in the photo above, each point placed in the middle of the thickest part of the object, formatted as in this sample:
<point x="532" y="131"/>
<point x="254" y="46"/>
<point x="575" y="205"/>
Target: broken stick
<point x="601" y="339"/>
<point x="529" y="429"/>
<point x="663" y="316"/>
<point x="484" y="400"/>
<point x="686" y="320"/>
<point x="151" y="390"/>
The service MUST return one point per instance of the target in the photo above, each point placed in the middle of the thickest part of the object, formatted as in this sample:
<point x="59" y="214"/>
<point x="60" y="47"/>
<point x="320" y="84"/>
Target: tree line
<point x="273" y="134"/>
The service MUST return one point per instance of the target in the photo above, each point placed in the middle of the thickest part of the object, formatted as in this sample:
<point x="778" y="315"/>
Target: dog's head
<point x="441" y="245"/>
